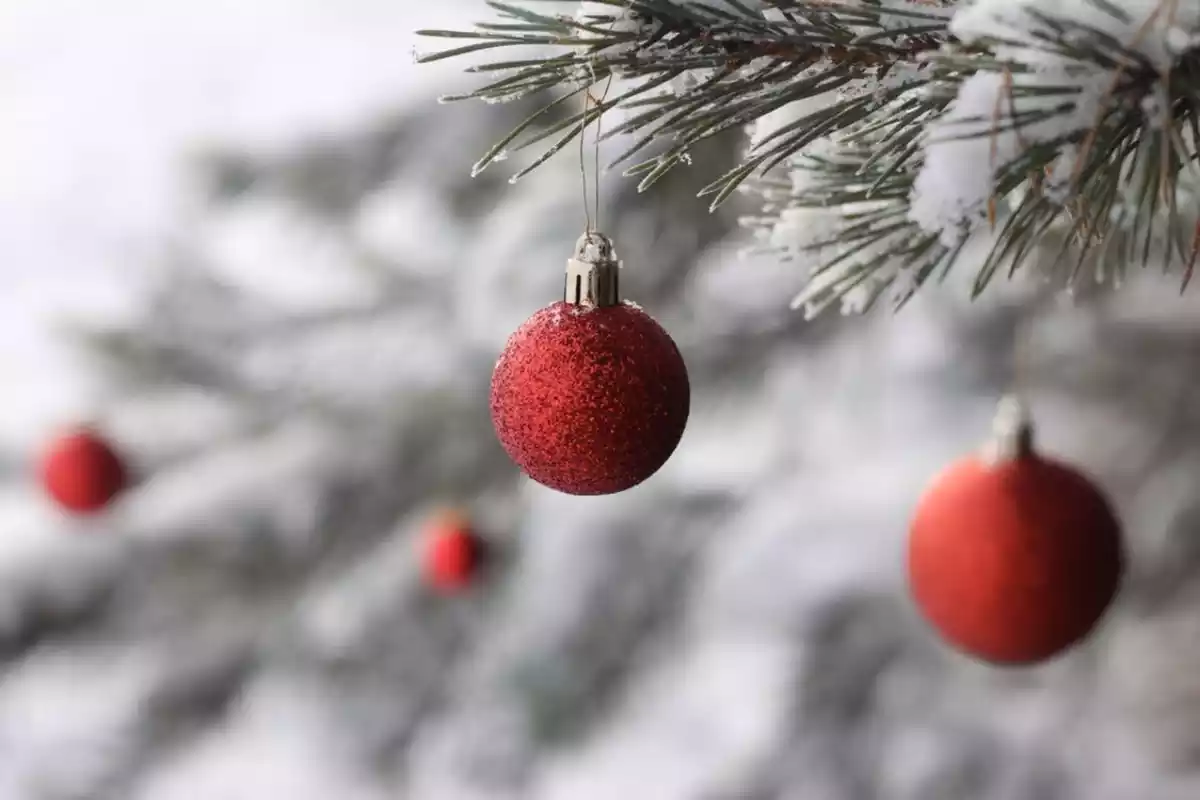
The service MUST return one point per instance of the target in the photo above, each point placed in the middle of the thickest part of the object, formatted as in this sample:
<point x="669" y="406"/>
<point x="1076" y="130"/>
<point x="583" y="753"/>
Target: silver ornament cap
<point x="1012" y="432"/>
<point x="594" y="273"/>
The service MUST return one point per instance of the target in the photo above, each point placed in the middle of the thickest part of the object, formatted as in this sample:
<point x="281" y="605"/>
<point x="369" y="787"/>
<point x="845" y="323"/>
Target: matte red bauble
<point x="452" y="553"/>
<point x="591" y="395"/>
<point x="1013" y="557"/>
<point x="82" y="472"/>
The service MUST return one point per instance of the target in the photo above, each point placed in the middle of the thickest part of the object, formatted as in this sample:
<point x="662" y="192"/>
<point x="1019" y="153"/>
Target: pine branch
<point x="1110" y="183"/>
<point x="1081" y="127"/>
<point x="749" y="66"/>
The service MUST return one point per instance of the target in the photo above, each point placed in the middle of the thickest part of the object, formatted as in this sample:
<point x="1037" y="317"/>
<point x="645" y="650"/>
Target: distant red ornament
<point x="453" y="553"/>
<point x="82" y="473"/>
<point x="1013" y="557"/>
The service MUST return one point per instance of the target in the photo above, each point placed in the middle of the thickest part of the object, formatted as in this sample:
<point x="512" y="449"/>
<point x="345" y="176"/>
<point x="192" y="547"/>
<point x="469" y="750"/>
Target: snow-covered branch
<point x="914" y="127"/>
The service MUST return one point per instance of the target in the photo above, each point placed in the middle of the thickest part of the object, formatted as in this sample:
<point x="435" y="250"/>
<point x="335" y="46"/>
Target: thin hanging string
<point x="587" y="212"/>
<point x="1022" y="345"/>
<point x="583" y="122"/>
<point x="1019" y="379"/>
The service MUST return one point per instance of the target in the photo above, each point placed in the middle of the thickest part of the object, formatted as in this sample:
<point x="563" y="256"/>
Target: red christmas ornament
<point x="452" y="553"/>
<point x="1013" y="557"/>
<point x="591" y="395"/>
<point x="82" y="472"/>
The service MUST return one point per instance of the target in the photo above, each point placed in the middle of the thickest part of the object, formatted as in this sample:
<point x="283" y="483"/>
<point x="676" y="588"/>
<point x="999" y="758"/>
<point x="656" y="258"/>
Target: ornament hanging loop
<point x="593" y="276"/>
<point x="584" y="118"/>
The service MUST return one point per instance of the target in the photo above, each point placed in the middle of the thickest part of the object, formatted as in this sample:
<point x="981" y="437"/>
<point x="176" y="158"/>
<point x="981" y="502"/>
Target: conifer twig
<point x="885" y="73"/>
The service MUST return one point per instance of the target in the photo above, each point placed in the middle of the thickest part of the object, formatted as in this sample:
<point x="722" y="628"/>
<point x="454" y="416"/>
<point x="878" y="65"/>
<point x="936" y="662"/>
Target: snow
<point x="1153" y="28"/>
<point x="280" y="745"/>
<point x="274" y="252"/>
<point x="953" y="191"/>
<point x="133" y="91"/>
<point x="667" y="744"/>
<point x="60" y="708"/>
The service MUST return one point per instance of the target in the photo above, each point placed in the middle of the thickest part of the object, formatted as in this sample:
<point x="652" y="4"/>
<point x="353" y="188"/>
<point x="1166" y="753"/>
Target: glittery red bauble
<point x="452" y="553"/>
<point x="1014" y="561"/>
<point x="590" y="400"/>
<point x="82" y="472"/>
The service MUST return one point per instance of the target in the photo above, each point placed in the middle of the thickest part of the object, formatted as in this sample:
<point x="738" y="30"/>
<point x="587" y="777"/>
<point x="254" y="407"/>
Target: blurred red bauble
<point x="590" y="400"/>
<point x="1014" y="558"/>
<point x="82" y="472"/>
<point x="452" y="553"/>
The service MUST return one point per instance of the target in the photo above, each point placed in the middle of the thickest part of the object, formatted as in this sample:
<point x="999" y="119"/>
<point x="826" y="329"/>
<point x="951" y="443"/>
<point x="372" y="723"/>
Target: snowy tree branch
<point x="733" y="65"/>
<point x="920" y="128"/>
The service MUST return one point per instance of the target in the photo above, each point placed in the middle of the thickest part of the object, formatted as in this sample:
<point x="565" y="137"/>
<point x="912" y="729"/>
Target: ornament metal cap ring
<point x="1012" y="432"/>
<point x="594" y="273"/>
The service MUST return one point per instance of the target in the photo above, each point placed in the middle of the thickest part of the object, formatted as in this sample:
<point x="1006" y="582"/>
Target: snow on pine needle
<point x="954" y="191"/>
<point x="1041" y="124"/>
<point x="1017" y="125"/>
<point x="1080" y="110"/>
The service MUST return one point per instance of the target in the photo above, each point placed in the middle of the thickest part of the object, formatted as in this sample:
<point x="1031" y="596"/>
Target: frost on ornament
<point x="591" y="403"/>
<point x="591" y="396"/>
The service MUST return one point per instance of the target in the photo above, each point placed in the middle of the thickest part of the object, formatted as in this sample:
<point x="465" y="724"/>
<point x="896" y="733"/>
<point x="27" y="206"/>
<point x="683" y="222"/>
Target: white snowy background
<point x="249" y="623"/>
